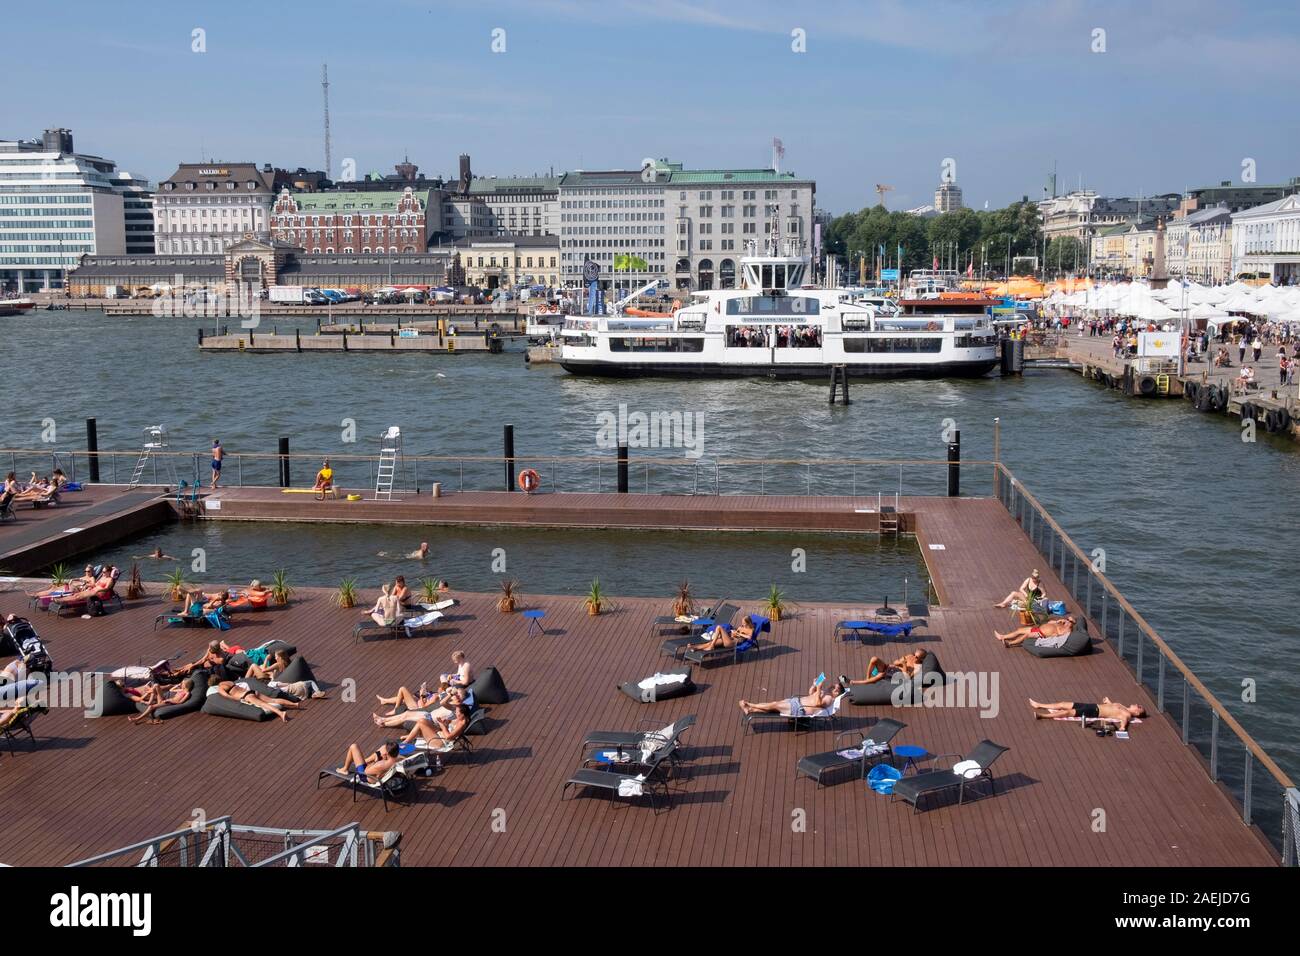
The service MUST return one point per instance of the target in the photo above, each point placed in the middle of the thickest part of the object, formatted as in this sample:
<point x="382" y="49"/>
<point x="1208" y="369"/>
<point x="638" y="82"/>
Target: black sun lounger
<point x="398" y="784"/>
<point x="881" y="733"/>
<point x="631" y="740"/>
<point x="649" y="781"/>
<point x="20" y="722"/>
<point x="982" y="756"/>
<point x="720" y="614"/>
<point x="826" y="714"/>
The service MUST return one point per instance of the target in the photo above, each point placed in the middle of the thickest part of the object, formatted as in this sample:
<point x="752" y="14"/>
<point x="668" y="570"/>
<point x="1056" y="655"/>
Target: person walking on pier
<point x="218" y="453"/>
<point x="1281" y="364"/>
<point x="1241" y="350"/>
<point x="1257" y="347"/>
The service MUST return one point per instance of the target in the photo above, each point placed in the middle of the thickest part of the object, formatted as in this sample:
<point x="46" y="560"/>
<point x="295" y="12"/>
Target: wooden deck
<point x="94" y="785"/>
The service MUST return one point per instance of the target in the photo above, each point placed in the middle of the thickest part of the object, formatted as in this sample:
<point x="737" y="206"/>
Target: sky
<point x="1123" y="98"/>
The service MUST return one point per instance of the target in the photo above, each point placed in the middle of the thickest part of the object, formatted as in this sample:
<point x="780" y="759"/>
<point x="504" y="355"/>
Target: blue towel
<point x="883" y="777"/>
<point x="1056" y="607"/>
<point x="891" y="630"/>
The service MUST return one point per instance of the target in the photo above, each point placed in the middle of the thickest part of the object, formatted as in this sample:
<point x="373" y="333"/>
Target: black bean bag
<point x="220" y="706"/>
<point x="882" y="691"/>
<point x="489" y="688"/>
<point x="667" y="691"/>
<point x="1076" y="645"/>
<point x="266" y="690"/>
<point x="112" y="701"/>
<point x="190" y="704"/>
<point x="235" y="666"/>
<point x="297" y="670"/>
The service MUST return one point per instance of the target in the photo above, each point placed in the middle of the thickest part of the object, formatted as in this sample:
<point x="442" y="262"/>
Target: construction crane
<point x="881" y="189"/>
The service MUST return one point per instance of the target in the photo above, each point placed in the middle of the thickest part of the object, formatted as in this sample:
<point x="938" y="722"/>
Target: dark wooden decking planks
<point x="101" y="784"/>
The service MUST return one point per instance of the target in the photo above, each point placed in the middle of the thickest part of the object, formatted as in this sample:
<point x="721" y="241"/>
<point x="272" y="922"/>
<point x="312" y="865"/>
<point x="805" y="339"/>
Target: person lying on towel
<point x="1107" y="709"/>
<point x="372" y="766"/>
<point x="816" y="699"/>
<point x="725" y="636"/>
<point x="878" y="670"/>
<point x="1061" y="627"/>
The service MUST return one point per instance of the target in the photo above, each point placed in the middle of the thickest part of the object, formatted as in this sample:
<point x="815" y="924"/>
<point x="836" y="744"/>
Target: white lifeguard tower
<point x="154" y="447"/>
<point x="391" y="460"/>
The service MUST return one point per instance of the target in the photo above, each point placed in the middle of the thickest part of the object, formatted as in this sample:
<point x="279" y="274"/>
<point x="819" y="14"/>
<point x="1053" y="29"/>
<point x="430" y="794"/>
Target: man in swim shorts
<point x="1061" y="627"/>
<point x="218" y="453"/>
<point x="1108" y="710"/>
<point x="815" y="699"/>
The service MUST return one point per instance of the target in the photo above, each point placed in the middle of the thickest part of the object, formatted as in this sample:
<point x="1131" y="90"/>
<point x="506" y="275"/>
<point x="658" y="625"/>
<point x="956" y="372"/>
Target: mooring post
<point x="200" y="335"/>
<point x="954" y="466"/>
<point x="622" y="469"/>
<point x="509" y="441"/>
<point x="284" y="463"/>
<point x="297" y="340"/>
<point x="92" y="446"/>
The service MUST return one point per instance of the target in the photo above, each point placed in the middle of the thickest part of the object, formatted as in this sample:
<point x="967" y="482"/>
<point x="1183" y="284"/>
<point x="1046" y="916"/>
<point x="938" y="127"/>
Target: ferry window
<point x="774" y="305"/>
<point x="894" y="345"/>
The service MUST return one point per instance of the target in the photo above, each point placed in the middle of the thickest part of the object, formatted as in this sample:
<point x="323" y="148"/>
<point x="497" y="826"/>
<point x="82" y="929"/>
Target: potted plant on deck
<point x="176" y="585"/>
<point x="60" y="575"/>
<point x="135" y="587"/>
<point x="595" y="601"/>
<point x="347" y="593"/>
<point x="506" y="602"/>
<point x="684" y="603"/>
<point x="280" y="587"/>
<point x="775" y="603"/>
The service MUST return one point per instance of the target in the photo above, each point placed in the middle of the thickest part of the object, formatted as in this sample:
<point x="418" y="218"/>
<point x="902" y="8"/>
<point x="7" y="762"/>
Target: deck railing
<point x="1264" y="794"/>
<point x="883" y="478"/>
<point x="223" y="843"/>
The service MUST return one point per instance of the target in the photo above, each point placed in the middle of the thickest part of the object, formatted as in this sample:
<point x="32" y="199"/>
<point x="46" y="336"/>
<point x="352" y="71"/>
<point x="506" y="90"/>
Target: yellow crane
<point x="881" y="189"/>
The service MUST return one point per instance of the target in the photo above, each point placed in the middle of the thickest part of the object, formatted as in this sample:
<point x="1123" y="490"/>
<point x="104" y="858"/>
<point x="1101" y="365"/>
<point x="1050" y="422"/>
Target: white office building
<point x="207" y="207"/>
<point x="56" y="205"/>
<point x="1266" y="241"/>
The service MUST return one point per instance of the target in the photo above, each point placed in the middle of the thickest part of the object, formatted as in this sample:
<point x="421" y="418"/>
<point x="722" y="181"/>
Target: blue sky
<point x="885" y="92"/>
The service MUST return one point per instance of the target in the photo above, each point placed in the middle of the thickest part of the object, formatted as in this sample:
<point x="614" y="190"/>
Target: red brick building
<point x="338" y="222"/>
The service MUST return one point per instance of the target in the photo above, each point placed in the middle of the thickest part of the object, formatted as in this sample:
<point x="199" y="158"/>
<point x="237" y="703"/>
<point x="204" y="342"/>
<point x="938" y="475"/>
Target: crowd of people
<point x="37" y="489"/>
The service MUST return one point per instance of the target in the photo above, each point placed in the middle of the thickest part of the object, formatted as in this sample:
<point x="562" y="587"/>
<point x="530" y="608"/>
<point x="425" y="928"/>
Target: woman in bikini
<point x="1061" y="627"/>
<point x="1030" y="585"/>
<point x="374" y="765"/>
<point x="241" y="692"/>
<point x="427" y="709"/>
<point x="85" y="581"/>
<point x="878" y="670"/>
<point x="441" y="734"/>
<point x="155" y="697"/>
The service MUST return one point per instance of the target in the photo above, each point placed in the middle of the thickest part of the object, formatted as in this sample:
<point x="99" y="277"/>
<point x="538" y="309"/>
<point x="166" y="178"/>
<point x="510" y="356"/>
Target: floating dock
<point x="1169" y="796"/>
<point x="254" y="341"/>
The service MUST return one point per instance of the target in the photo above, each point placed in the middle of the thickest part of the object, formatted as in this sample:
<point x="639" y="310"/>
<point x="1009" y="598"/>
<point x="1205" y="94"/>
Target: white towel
<point x="1057" y="641"/>
<point x="631" y="787"/>
<point x="659" y="680"/>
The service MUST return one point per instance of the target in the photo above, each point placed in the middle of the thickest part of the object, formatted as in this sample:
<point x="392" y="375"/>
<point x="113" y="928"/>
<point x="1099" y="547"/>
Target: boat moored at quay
<point x="776" y="326"/>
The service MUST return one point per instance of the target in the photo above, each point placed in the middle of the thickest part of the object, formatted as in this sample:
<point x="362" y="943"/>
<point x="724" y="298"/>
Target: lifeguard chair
<point x="391" y="460"/>
<point x="155" y="446"/>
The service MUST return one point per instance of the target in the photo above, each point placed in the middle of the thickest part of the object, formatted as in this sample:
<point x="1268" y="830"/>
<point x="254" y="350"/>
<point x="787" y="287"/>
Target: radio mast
<point x="325" y="90"/>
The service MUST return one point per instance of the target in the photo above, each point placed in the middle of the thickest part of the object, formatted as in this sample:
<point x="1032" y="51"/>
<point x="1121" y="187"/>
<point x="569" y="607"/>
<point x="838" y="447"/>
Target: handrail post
<point x="1245" y="790"/>
<point x="1187" y="710"/>
<point x="1160" y="684"/>
<point x="1214" y="745"/>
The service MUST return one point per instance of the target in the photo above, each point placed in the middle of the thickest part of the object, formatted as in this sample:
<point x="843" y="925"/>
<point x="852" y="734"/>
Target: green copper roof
<point x="730" y="176"/>
<point x="348" y="201"/>
<point x="499" y="184"/>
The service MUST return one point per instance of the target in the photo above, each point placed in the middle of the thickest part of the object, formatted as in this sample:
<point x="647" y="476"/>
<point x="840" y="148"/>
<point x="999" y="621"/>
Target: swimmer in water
<point x="155" y="555"/>
<point x="423" y="552"/>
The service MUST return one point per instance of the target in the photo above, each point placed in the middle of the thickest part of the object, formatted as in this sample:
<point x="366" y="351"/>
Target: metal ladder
<point x="390" y="449"/>
<point x="155" y="441"/>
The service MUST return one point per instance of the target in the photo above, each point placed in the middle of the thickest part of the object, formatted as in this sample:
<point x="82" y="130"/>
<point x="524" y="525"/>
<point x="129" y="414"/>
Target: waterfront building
<point x="1140" y="248"/>
<point x="346" y="222"/>
<point x="947" y="198"/>
<point x="137" y="212"/>
<point x="614" y="218"/>
<point x="1266" y="241"/>
<point x="1198" y="245"/>
<point x="509" y="262"/>
<point x="56" y="205"/>
<point x="302" y="180"/>
<point x="714" y="212"/>
<point x="520" y="205"/>
<point x="206" y="207"/>
<point x="1109" y="256"/>
<point x="1081" y="214"/>
<point x="1238" y="196"/>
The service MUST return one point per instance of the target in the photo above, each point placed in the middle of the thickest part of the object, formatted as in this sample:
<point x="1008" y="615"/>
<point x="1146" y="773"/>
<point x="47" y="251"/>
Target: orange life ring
<point x="528" y="481"/>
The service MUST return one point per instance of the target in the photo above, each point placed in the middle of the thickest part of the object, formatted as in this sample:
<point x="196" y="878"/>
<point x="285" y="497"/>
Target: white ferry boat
<point x="775" y="326"/>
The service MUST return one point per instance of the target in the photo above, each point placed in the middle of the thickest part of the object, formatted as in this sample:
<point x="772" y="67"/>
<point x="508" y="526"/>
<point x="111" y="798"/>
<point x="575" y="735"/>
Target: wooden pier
<point x="251" y="340"/>
<point x="735" y="803"/>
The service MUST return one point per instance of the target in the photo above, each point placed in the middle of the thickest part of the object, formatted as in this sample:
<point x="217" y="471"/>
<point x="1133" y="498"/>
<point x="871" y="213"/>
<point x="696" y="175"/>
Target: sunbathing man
<point x="155" y="697"/>
<point x="241" y="692"/>
<point x="214" y="656"/>
<point x="878" y="670"/>
<point x="816" y="699"/>
<point x="1060" y="627"/>
<point x="421" y="553"/>
<point x="373" y="766"/>
<point x="1107" y="709"/>
<point x="463" y="676"/>
<point x="1021" y="596"/>
<point x="324" y="478"/>
<point x="428" y="708"/>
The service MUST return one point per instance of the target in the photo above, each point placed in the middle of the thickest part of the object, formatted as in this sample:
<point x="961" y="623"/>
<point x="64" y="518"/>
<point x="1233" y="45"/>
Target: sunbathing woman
<point x="387" y="610"/>
<point x="431" y="708"/>
<point x="411" y="701"/>
<point x="720" y="636"/>
<point x="157" y="697"/>
<point x="302" y="689"/>
<point x="102" y="583"/>
<point x="1107" y="709"/>
<point x="464" y="673"/>
<point x="815" y="699"/>
<point x="878" y="670"/>
<point x="1021" y="596"/>
<point x="240" y="691"/>
<point x="85" y="581"/>
<point x="374" y="765"/>
<point x="442" y="734"/>
<point x="1061" y="627"/>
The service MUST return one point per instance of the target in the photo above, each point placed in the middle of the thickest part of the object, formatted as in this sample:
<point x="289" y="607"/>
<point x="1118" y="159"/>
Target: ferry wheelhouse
<point x="775" y="326"/>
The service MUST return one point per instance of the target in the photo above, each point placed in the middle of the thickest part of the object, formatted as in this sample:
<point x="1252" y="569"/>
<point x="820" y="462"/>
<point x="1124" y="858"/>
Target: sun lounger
<point x="639" y="740"/>
<point x="874" y="745"/>
<point x="968" y="770"/>
<point x="20" y="722"/>
<point x="826" y="714"/>
<point x="646" y="783"/>
<point x="720" y="614"/>
<point x="406" y="627"/>
<point x="398" y="783"/>
<point x="92" y="604"/>
<point x="749" y="645"/>
<point x="671" y="624"/>
<point x="214" y="619"/>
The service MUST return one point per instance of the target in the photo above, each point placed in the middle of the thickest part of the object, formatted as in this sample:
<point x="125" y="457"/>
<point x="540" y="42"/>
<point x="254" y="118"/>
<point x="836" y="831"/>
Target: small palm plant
<point x="176" y="584"/>
<point x="684" y="604"/>
<point x="595" y="601"/>
<point x="506" y="602"/>
<point x="347" y="593"/>
<point x="280" y="587"/>
<point x="429" y="590"/>
<point x="775" y="603"/>
<point x="60" y="575"/>
<point x="135" y="587"/>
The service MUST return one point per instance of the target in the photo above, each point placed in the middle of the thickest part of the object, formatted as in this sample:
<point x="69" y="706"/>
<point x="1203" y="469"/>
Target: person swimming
<point x="421" y="553"/>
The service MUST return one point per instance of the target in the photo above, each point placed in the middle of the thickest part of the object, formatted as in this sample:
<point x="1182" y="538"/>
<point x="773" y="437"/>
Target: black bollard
<point x="284" y="463"/>
<point x="200" y="336"/>
<point x="622" y="469"/>
<point x="954" y="466"/>
<point x="92" y="446"/>
<point x="509" y="441"/>
<point x="297" y="339"/>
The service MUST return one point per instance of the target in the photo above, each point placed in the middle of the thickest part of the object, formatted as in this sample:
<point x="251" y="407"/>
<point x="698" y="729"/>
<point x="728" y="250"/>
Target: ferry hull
<point x="974" y="369"/>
